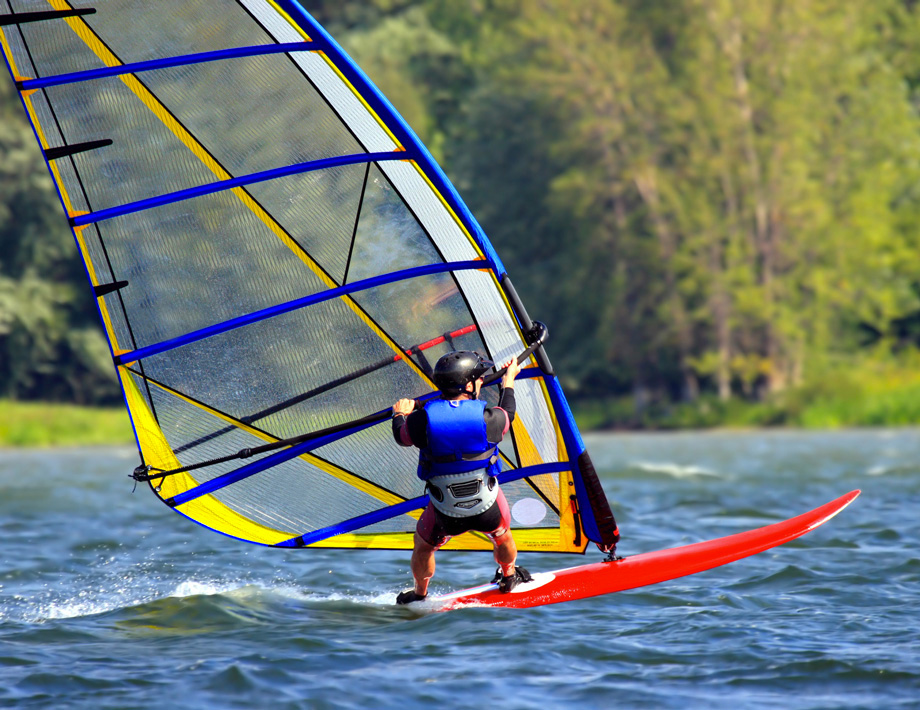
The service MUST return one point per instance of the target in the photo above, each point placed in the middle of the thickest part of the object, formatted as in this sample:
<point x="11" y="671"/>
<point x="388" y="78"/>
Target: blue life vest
<point x="457" y="440"/>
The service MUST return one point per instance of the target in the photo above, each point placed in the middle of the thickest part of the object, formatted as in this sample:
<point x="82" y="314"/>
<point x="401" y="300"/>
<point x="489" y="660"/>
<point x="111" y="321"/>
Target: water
<point x="110" y="600"/>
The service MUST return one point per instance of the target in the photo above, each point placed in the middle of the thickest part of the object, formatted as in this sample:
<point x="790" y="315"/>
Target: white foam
<point x="380" y="598"/>
<point x="86" y="604"/>
<point x="673" y="469"/>
<point x="192" y="588"/>
<point x="135" y="592"/>
<point x="882" y="469"/>
<point x="132" y="591"/>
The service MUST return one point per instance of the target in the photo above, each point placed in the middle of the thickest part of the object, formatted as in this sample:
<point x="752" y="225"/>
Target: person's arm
<point x="499" y="419"/>
<point x="409" y="424"/>
<point x="507" y="402"/>
<point x="513" y="369"/>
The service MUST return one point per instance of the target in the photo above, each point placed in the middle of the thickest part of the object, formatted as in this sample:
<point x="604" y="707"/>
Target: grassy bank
<point x="875" y="395"/>
<point x="883" y="394"/>
<point x="55" y="424"/>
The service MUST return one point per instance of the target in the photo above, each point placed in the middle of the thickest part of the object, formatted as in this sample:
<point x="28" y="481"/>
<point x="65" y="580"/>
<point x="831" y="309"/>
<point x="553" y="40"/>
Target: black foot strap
<point x="520" y="576"/>
<point x="409" y="596"/>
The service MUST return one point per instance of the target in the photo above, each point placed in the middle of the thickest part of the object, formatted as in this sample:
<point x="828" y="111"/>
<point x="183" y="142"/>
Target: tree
<point x="51" y="345"/>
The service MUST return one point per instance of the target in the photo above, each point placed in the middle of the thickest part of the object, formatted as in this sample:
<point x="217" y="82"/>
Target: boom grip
<point x="527" y="325"/>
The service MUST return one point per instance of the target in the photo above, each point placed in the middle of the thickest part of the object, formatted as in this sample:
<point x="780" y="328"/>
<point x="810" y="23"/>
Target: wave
<point x="887" y="470"/>
<point x="145" y="598"/>
<point x="675" y="470"/>
<point x="105" y="600"/>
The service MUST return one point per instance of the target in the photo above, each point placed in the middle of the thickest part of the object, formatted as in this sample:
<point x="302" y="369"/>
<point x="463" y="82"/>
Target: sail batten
<point x="297" y="304"/>
<point x="231" y="183"/>
<point x="167" y="63"/>
<point x="324" y="439"/>
<point x="22" y="18"/>
<point x="273" y="251"/>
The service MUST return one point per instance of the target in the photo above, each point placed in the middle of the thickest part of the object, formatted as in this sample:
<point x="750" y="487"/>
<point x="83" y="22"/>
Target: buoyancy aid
<point x="459" y="463"/>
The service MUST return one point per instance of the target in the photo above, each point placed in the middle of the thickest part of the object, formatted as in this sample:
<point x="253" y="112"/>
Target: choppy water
<point x="110" y="600"/>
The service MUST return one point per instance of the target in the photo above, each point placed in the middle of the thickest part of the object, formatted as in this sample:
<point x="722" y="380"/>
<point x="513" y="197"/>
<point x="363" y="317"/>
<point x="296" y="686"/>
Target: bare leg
<point x="505" y="552"/>
<point x="422" y="565"/>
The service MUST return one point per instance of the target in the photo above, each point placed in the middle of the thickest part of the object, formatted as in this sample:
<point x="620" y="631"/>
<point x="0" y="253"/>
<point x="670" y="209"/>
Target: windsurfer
<point x="457" y="437"/>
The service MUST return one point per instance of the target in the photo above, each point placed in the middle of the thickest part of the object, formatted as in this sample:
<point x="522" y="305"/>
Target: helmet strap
<point x="465" y="392"/>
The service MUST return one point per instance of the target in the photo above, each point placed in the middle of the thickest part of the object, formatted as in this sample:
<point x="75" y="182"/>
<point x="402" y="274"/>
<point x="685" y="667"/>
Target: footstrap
<point x="409" y="596"/>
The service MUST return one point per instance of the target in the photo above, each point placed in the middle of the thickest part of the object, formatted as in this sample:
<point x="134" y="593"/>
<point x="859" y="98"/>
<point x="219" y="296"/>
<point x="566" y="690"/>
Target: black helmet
<point x="454" y="370"/>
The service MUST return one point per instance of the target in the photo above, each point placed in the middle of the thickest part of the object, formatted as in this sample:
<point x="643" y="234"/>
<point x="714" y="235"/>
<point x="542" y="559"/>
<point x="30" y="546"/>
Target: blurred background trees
<point x="51" y="342"/>
<point x="706" y="200"/>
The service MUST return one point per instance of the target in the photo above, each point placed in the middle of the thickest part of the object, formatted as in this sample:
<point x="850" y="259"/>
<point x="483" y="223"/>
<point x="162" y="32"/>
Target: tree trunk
<point x="732" y="46"/>
<point x="647" y="185"/>
<point x="720" y="297"/>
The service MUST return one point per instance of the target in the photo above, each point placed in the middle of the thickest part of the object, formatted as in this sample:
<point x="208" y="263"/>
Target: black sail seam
<point x="536" y="489"/>
<point x="102" y="245"/>
<point x="527" y="479"/>
<point x="20" y="18"/>
<point x="354" y="233"/>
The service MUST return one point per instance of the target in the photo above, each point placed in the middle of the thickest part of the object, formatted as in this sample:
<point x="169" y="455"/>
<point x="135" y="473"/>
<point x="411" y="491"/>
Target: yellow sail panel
<point x="527" y="540"/>
<point x="206" y="510"/>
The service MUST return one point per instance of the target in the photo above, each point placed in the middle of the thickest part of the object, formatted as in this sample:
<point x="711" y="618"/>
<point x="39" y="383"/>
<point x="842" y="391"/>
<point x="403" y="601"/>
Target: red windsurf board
<point x="599" y="578"/>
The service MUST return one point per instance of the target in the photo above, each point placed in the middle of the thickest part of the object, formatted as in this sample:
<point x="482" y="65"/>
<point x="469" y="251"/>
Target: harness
<point x="459" y="464"/>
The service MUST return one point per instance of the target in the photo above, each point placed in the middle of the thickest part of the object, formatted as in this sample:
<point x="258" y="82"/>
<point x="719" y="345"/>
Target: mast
<point x="589" y="499"/>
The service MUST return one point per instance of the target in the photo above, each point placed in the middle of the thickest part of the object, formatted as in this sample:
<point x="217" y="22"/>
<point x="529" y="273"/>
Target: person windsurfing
<point x="457" y="436"/>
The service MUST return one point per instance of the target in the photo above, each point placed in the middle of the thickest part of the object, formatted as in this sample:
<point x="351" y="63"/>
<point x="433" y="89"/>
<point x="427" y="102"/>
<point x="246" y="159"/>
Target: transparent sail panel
<point x="135" y="31"/>
<point x="274" y="254"/>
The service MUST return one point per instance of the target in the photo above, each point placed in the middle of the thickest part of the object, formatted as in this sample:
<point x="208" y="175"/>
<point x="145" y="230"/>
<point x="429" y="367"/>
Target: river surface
<point x="111" y="600"/>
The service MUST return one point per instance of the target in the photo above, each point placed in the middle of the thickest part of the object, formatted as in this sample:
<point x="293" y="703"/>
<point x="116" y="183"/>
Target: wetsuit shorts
<point x="436" y="529"/>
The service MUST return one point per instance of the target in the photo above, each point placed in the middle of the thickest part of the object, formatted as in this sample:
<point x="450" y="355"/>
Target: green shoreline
<point x="43" y="424"/>
<point x="892" y="402"/>
<point x="829" y="404"/>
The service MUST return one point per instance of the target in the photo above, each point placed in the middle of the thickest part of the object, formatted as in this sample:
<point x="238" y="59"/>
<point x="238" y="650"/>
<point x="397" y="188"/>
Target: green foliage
<point x="50" y="342"/>
<point x="713" y="204"/>
<point x="44" y="424"/>
<point x="417" y="67"/>
<point x="844" y="393"/>
<point x="732" y="185"/>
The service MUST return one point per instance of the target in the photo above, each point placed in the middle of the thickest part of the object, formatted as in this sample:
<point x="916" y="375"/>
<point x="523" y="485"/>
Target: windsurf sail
<point x="275" y="254"/>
